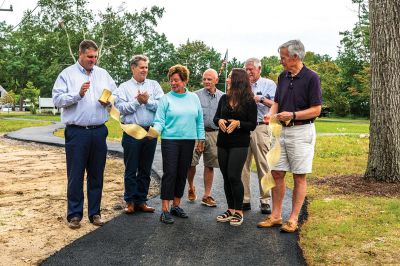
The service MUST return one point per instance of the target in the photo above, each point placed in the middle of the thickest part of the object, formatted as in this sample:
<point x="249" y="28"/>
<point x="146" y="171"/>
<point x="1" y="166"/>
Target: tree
<point x="354" y="61"/>
<point x="197" y="57"/>
<point x="31" y="94"/>
<point x="384" y="147"/>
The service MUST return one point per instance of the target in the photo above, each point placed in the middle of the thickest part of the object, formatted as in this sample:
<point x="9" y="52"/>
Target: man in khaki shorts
<point x="264" y="92"/>
<point x="297" y="103"/>
<point x="209" y="97"/>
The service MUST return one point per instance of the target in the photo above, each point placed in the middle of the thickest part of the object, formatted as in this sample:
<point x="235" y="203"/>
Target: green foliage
<point x="198" y="57"/>
<point x="31" y="94"/>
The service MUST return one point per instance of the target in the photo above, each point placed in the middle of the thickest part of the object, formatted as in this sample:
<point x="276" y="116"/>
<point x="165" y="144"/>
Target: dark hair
<point x="240" y="92"/>
<point x="182" y="71"/>
<point x="87" y="44"/>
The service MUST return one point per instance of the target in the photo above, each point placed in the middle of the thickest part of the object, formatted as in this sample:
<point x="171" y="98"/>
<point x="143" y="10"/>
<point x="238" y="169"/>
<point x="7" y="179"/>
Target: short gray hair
<point x="295" y="47"/>
<point x="213" y="71"/>
<point x="254" y="61"/>
<point x="136" y="58"/>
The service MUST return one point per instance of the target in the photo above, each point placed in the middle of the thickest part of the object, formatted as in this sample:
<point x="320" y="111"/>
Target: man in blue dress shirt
<point x="137" y="101"/>
<point x="77" y="90"/>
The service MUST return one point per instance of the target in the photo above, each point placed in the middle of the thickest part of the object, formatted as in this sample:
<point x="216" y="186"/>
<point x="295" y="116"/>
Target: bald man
<point x="209" y="97"/>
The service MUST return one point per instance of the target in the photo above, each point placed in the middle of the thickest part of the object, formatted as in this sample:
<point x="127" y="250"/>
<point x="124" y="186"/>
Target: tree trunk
<point x="384" y="147"/>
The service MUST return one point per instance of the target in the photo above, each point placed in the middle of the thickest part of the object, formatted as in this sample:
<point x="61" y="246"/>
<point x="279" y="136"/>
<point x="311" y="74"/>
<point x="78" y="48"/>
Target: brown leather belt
<point x="210" y="129"/>
<point x="297" y="123"/>
<point x="262" y="123"/>
<point x="86" y="127"/>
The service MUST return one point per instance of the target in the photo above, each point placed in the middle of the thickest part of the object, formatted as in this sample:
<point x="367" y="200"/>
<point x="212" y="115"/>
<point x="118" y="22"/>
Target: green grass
<point x="12" y="125"/>
<point x="27" y="115"/>
<point x="328" y="125"/>
<point x="114" y="131"/>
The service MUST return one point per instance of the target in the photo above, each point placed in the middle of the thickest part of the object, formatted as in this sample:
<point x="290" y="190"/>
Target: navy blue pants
<point x="85" y="149"/>
<point x="177" y="157"/>
<point x="138" y="158"/>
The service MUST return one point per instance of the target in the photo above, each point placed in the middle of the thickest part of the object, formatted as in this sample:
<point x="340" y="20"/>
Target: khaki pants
<point x="260" y="144"/>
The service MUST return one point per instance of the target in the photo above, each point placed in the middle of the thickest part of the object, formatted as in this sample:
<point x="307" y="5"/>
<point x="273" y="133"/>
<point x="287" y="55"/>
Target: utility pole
<point x="10" y="9"/>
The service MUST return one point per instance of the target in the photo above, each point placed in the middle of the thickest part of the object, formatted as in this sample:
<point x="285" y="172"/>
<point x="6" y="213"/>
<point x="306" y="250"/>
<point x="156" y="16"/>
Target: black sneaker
<point x="178" y="212"/>
<point x="265" y="208"/>
<point x="246" y="206"/>
<point x="166" y="218"/>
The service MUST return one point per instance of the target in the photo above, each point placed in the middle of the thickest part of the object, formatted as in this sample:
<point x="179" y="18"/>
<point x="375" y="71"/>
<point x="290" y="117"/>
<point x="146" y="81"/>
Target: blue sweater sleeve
<point x="199" y="120"/>
<point x="160" y="118"/>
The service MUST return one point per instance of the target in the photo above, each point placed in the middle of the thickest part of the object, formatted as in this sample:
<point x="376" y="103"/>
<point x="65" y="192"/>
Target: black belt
<point x="262" y="123"/>
<point x="210" y="129"/>
<point x="297" y="123"/>
<point x="86" y="127"/>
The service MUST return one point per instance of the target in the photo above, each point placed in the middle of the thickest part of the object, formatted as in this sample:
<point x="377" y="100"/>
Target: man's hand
<point x="232" y="126"/>
<point x="143" y="97"/>
<point x="284" y="116"/>
<point x="257" y="98"/>
<point x="267" y="118"/>
<point x="85" y="86"/>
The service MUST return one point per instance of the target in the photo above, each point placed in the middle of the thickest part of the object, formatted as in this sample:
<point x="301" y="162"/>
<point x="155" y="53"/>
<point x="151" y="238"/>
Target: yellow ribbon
<point x="132" y="130"/>
<point x="267" y="181"/>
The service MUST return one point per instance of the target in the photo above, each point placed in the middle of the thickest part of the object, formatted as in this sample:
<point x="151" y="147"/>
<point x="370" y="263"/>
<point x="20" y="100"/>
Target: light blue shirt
<point x="209" y="103"/>
<point x="132" y="112"/>
<point x="180" y="116"/>
<point x="86" y="110"/>
<point x="263" y="87"/>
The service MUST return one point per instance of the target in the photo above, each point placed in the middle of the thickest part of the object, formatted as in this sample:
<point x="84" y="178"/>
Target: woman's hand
<point x="200" y="146"/>
<point x="222" y="124"/>
<point x="232" y="126"/>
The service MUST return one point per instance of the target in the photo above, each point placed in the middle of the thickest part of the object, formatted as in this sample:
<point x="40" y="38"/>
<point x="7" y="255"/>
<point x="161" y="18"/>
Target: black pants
<point x="138" y="158"/>
<point x="231" y="162"/>
<point x="177" y="156"/>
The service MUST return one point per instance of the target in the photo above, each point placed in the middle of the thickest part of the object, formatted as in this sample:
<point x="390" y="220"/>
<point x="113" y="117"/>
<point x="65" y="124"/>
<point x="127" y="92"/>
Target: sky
<point x="252" y="28"/>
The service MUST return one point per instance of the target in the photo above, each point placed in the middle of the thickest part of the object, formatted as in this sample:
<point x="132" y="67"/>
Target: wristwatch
<point x="262" y="99"/>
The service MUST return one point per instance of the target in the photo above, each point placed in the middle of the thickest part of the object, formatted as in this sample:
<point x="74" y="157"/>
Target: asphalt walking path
<point x="141" y="239"/>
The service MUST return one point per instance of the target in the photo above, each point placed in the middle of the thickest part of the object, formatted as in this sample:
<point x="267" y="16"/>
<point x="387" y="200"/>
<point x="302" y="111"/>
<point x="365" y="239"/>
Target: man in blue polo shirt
<point x="298" y="101"/>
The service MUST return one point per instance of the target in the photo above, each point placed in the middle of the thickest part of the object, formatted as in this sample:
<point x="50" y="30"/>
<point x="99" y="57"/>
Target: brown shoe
<point x="74" y="223"/>
<point x="289" y="227"/>
<point x="130" y="208"/>
<point x="144" y="208"/>
<point x="192" y="194"/>
<point x="269" y="222"/>
<point x="209" y="201"/>
<point x="97" y="220"/>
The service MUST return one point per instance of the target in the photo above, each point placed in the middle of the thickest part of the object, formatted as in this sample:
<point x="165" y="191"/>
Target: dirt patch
<point x="356" y="184"/>
<point x="33" y="201"/>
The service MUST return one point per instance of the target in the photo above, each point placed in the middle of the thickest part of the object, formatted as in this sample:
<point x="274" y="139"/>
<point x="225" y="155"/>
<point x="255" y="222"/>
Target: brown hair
<point x="87" y="44"/>
<point x="182" y="71"/>
<point x="239" y="93"/>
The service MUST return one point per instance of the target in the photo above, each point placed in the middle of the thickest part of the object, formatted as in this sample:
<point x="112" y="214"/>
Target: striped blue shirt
<point x="132" y="112"/>
<point x="267" y="88"/>
<point x="86" y="110"/>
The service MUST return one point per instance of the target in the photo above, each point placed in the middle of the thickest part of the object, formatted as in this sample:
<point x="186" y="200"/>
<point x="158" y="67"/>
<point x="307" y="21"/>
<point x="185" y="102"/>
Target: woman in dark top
<point x="236" y="116"/>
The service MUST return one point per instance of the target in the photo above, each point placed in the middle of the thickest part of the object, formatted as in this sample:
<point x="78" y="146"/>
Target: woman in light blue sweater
<point x="179" y="120"/>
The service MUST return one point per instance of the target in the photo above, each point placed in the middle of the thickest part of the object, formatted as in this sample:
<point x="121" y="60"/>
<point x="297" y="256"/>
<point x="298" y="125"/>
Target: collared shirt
<point x="86" y="110"/>
<point x="300" y="92"/>
<point x="132" y="112"/>
<point x="209" y="103"/>
<point x="263" y="87"/>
